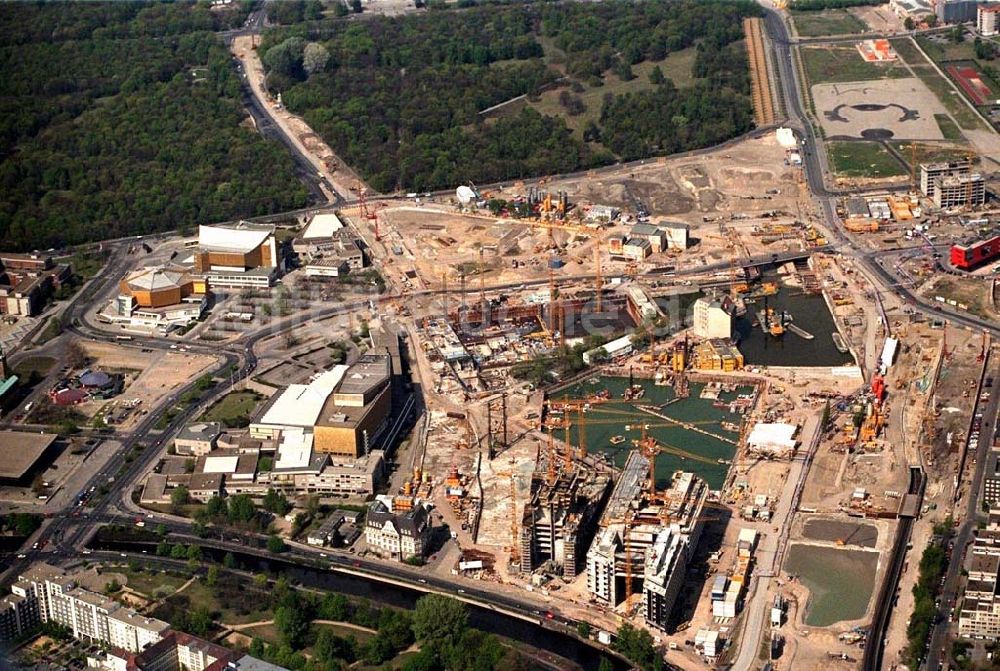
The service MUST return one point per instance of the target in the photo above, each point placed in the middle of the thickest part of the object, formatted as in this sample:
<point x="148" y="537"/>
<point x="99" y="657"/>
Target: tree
<point x="257" y="646"/>
<point x="275" y="502"/>
<point x="908" y="23"/>
<point x="229" y="561"/>
<point x="356" y="6"/>
<point x="605" y="665"/>
<point x="637" y="645"/>
<point x="75" y="355"/>
<point x="439" y="620"/>
<point x="378" y="650"/>
<point x="180" y="496"/>
<point x="656" y="76"/>
<point x="112" y="587"/>
<point x="178" y="552"/>
<point x="314" y="58"/>
<point x="216" y="507"/>
<point x="930" y="20"/>
<point x="275" y="544"/>
<point x="212" y="576"/>
<point x="825" y="420"/>
<point x="161" y="530"/>
<point x="583" y="629"/>
<point x="241" y="509"/>
<point x="292" y="625"/>
<point x="163" y="549"/>
<point x="194" y="553"/>
<point x="957" y="34"/>
<point x="260" y="580"/>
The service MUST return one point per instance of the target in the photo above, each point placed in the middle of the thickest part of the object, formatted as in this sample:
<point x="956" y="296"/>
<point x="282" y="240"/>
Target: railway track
<point x="760" y="81"/>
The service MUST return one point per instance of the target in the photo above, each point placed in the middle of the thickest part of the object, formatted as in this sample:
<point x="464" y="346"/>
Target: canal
<point x="568" y="647"/>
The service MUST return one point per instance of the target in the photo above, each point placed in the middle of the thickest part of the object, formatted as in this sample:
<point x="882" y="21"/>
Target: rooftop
<point x="20" y="450"/>
<point x="200" y="431"/>
<point x="295" y="450"/>
<point x="368" y="373"/>
<point x="242" y="237"/>
<point x="154" y="279"/>
<point x="322" y="226"/>
<point x="301" y="404"/>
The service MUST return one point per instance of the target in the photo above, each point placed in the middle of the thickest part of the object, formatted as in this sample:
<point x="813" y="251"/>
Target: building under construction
<point x="646" y="540"/>
<point x="560" y="518"/>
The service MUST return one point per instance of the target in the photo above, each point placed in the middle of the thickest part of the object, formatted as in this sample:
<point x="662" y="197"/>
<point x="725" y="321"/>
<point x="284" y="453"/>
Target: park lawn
<point x="830" y="64"/>
<point x="949" y="128"/>
<point x="862" y="159"/>
<point x="827" y="22"/>
<point x="233" y="406"/>
<point x="678" y="67"/>
<point x="361" y="635"/>
<point x="147" y="583"/>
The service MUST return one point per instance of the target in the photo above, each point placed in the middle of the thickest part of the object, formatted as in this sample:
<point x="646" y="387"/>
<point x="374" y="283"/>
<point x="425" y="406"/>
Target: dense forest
<point x="401" y="98"/>
<point x="125" y="118"/>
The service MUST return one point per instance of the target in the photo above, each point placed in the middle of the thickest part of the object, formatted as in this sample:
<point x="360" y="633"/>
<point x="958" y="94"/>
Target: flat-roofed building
<point x="20" y="453"/>
<point x="235" y="247"/>
<point x="298" y="405"/>
<point x="930" y="173"/>
<point x="358" y="410"/>
<point x="198" y="439"/>
<point x="960" y="191"/>
<point x="713" y="317"/>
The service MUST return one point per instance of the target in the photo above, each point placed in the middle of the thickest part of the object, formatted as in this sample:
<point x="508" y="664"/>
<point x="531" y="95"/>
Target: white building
<point x="619" y="347"/>
<point x="713" y="317"/>
<point x="772" y="439"/>
<point x="397" y="535"/>
<point x="298" y="406"/>
<point x="55" y="597"/>
<point x="986" y="19"/>
<point x="678" y="235"/>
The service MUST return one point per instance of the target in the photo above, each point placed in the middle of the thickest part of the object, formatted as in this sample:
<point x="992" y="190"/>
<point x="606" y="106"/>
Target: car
<point x="124" y="555"/>
<point x="549" y="615"/>
<point x="461" y="591"/>
<point x="323" y="555"/>
<point x="423" y="580"/>
<point x="35" y="546"/>
<point x="22" y="556"/>
<point x="86" y="552"/>
<point x="357" y="564"/>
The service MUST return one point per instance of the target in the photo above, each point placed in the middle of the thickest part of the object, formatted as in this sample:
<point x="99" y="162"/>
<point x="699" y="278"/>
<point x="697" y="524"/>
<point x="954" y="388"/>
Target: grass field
<point x="942" y="88"/>
<point x="949" y="97"/>
<point x="233" y="407"/>
<point x="862" y="159"/>
<point x="828" y="22"/>
<point x="949" y="128"/>
<point x="947" y="51"/>
<point x="676" y="67"/>
<point x="830" y="64"/>
<point x="928" y="152"/>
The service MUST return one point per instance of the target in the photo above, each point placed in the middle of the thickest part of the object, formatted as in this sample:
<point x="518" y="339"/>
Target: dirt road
<point x="340" y="176"/>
